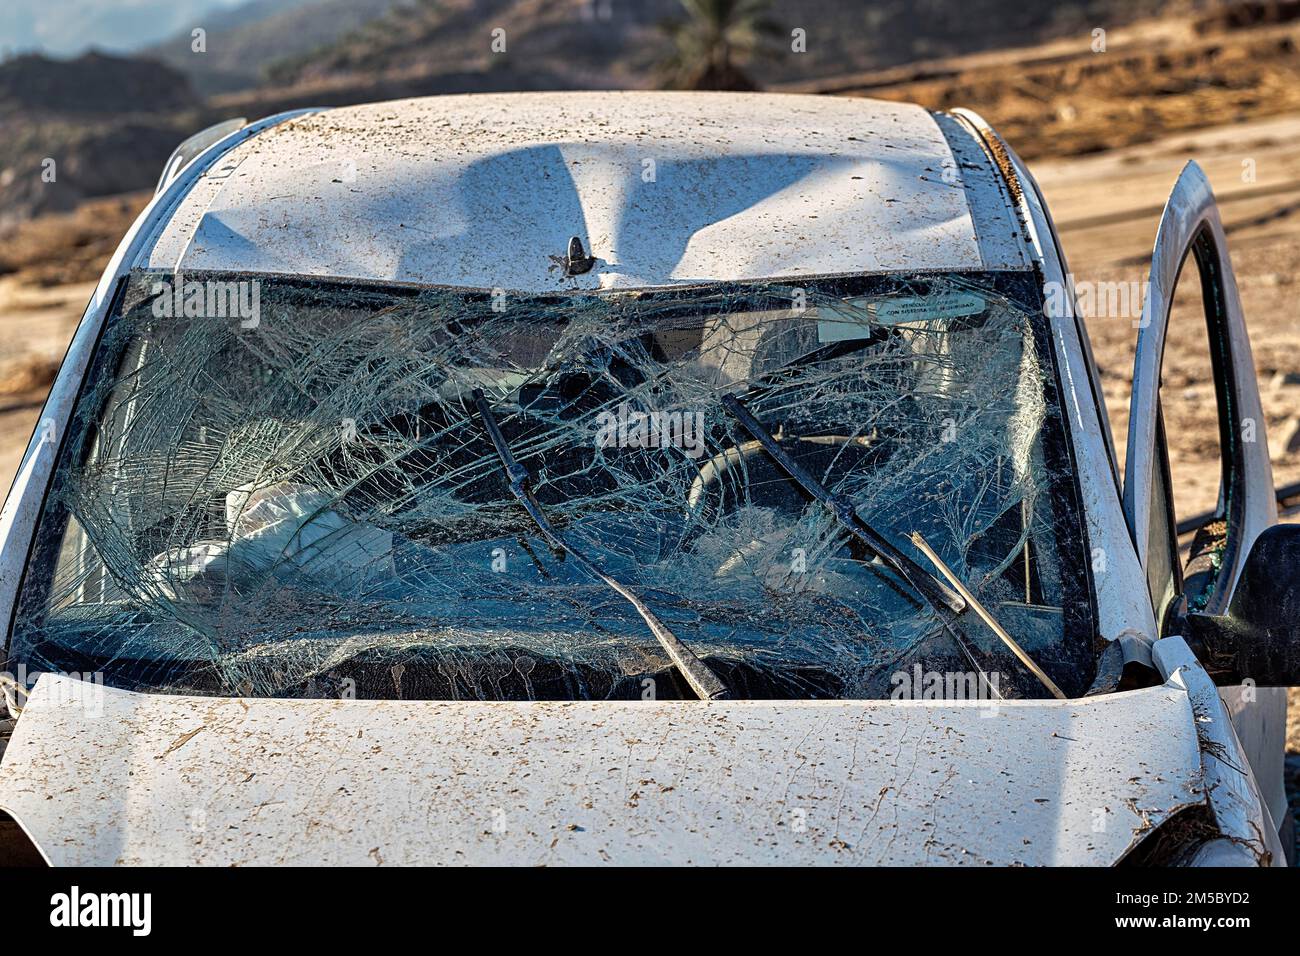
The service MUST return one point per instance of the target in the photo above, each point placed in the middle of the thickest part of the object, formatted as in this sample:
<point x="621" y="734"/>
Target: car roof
<point x="485" y="191"/>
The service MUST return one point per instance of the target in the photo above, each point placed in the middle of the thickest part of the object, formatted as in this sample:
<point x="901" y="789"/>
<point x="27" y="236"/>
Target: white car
<point x="632" y="478"/>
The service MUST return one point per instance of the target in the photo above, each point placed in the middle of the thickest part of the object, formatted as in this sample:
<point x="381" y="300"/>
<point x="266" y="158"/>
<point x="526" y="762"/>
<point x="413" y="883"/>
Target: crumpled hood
<point x="103" y="776"/>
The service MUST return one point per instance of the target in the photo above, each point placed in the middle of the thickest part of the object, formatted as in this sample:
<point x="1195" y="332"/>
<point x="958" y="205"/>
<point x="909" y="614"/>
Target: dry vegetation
<point x="1151" y="79"/>
<point x="69" y="247"/>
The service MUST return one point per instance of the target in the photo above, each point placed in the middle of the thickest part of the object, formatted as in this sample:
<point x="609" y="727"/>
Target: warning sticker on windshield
<point x="863" y="315"/>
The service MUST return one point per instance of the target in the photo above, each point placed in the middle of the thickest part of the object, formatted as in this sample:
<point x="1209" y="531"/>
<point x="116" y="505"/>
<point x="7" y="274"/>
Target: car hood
<point x="103" y="776"/>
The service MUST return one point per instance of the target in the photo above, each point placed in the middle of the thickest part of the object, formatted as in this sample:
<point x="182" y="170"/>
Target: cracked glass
<point x="305" y="503"/>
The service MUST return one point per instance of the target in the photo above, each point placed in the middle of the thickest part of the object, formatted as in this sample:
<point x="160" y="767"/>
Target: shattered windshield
<point x="281" y="487"/>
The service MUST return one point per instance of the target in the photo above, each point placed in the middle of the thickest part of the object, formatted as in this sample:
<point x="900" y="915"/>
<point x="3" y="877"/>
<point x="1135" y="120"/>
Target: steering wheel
<point x="749" y="458"/>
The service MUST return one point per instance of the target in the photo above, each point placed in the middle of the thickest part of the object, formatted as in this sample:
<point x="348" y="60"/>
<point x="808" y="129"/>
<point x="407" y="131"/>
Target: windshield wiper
<point x="706" y="684"/>
<point x="946" y="603"/>
<point x="935" y="592"/>
<point x="924" y="547"/>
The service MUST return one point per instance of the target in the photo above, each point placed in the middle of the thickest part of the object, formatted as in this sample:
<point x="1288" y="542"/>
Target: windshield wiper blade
<point x="1021" y="654"/>
<point x="706" y="684"/>
<point x="935" y="591"/>
<point x="946" y="603"/>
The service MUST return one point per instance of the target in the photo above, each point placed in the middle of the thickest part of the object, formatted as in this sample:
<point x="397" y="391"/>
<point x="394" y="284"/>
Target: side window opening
<point x="1196" y="443"/>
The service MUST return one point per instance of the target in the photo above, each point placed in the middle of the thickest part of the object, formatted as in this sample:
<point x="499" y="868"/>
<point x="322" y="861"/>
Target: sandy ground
<point x="36" y="324"/>
<point x="1107" y="207"/>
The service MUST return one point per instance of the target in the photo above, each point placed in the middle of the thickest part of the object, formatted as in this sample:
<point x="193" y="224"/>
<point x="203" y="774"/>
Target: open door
<point x="1204" y="581"/>
<point x="1190" y="230"/>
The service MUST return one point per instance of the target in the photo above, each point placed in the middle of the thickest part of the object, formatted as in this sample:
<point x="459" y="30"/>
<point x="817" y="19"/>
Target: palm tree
<point x="713" y="41"/>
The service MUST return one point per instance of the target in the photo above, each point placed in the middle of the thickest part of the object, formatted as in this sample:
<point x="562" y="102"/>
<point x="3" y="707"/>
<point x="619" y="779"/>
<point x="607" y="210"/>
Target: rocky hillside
<point x="241" y="42"/>
<point x="92" y="84"/>
<point x="1154" y="77"/>
<point x="93" y="126"/>
<point x="617" y="43"/>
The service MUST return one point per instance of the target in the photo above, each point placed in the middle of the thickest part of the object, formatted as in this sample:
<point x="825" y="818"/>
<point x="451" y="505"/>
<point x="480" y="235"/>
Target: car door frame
<point x="1190" y="226"/>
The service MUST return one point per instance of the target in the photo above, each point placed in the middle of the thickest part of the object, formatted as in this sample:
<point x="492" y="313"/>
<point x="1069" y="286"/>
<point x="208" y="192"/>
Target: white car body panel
<point x="102" y="776"/>
<point x="482" y="192"/>
<point x="1240" y="809"/>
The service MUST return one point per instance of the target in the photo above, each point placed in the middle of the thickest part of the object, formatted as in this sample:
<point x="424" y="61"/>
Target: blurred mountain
<point x="243" y="40"/>
<point x="445" y="45"/>
<point x="92" y="126"/>
<point x="70" y="27"/>
<point x="92" y="83"/>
